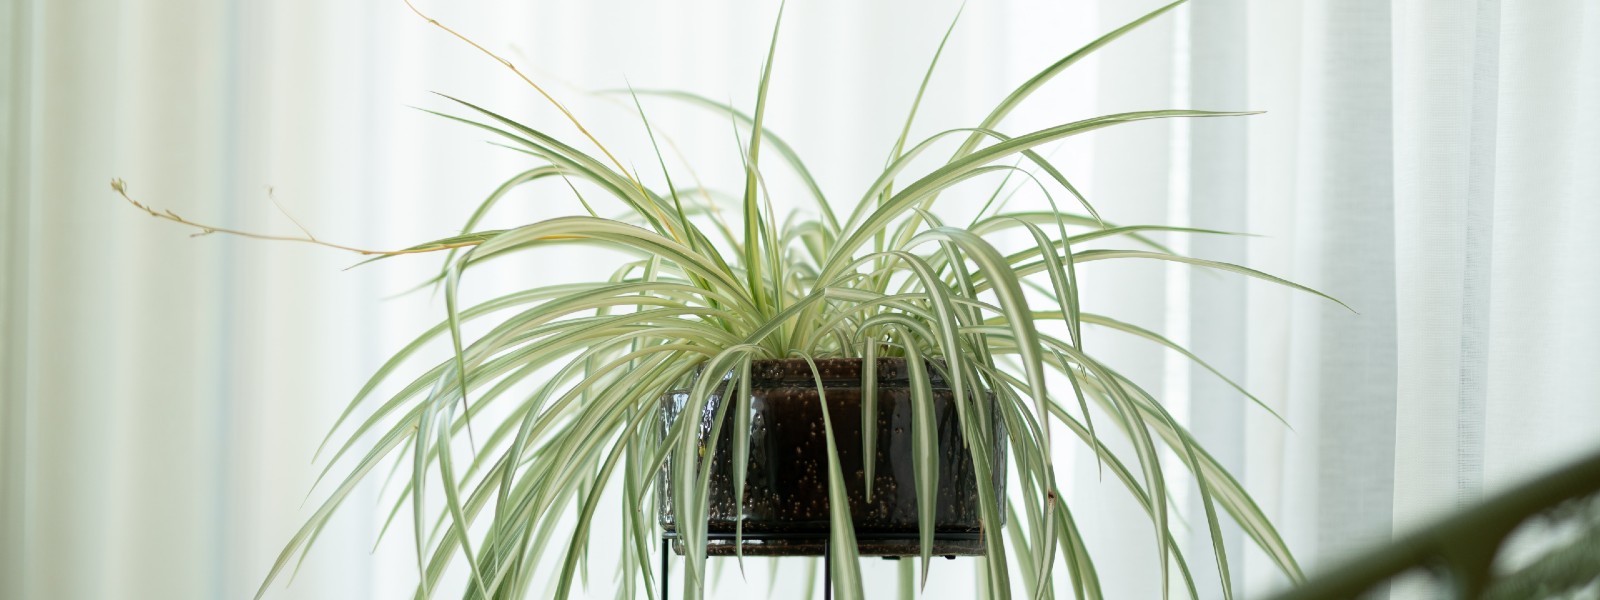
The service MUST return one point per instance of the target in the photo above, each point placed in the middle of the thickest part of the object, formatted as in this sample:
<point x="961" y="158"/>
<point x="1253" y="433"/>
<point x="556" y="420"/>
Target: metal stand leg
<point x="827" y="571"/>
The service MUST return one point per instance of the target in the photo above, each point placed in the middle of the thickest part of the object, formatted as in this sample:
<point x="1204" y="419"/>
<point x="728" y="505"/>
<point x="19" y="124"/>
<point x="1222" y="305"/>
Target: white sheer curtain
<point x="1433" y="166"/>
<point x="1444" y="191"/>
<point x="1431" y="163"/>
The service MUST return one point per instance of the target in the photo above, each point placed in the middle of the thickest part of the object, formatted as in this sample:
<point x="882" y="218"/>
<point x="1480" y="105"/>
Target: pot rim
<point x="796" y="371"/>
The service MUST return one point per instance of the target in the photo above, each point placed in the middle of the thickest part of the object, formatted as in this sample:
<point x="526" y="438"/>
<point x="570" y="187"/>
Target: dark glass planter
<point x="786" y="488"/>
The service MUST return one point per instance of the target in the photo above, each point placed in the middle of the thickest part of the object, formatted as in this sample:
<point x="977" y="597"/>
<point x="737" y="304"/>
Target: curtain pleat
<point x="1444" y="157"/>
<point x="1544" y="329"/>
<point x="1343" y="372"/>
<point x="1218" y="199"/>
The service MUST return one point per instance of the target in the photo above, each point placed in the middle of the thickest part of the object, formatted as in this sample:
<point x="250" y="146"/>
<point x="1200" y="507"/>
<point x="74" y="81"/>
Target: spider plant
<point x="578" y="369"/>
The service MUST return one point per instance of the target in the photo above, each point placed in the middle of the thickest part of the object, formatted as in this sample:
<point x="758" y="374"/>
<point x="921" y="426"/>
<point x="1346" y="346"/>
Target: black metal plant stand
<point x="827" y="548"/>
<point x="666" y="555"/>
<point x="666" y="549"/>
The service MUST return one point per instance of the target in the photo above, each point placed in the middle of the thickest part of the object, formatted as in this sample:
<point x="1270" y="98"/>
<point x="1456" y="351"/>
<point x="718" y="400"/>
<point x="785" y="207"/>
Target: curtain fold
<point x="1444" y="214"/>
<point x="168" y="392"/>
<point x="1544" y="329"/>
<point x="1218" y="308"/>
<point x="1338" y="481"/>
<point x="1486" y="183"/>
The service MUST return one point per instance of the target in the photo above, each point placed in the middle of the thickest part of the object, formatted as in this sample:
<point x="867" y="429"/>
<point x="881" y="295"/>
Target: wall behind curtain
<point x="1430" y="163"/>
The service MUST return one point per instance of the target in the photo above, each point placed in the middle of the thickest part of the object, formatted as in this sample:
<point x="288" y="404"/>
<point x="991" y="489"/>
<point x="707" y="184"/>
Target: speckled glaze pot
<point x="786" y="488"/>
